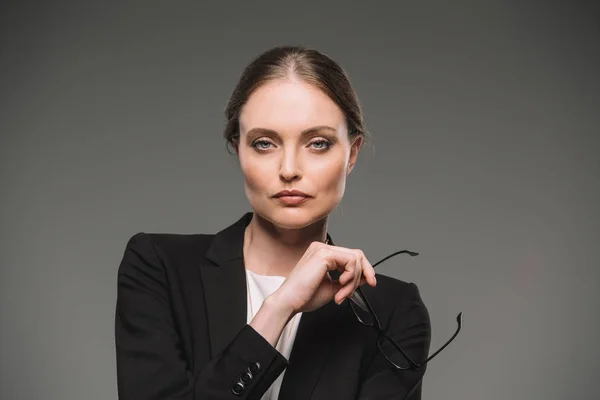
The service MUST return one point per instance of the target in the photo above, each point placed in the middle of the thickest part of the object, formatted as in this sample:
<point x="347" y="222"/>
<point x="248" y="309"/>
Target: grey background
<point x="485" y="158"/>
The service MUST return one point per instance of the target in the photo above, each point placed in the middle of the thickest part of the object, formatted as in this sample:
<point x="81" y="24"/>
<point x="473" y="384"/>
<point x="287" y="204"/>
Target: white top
<point x="259" y="287"/>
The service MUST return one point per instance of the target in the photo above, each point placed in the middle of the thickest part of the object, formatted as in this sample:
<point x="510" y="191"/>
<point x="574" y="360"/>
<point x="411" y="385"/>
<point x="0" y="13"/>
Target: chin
<point x="292" y="217"/>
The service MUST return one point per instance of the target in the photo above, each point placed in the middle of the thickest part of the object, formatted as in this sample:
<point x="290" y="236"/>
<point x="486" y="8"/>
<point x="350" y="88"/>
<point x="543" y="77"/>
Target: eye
<point x="320" y="144"/>
<point x="261" y="144"/>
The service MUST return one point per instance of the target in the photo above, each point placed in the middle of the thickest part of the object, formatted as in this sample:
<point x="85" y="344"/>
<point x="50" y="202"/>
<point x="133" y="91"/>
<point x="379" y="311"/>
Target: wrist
<point x="271" y="318"/>
<point x="277" y="307"/>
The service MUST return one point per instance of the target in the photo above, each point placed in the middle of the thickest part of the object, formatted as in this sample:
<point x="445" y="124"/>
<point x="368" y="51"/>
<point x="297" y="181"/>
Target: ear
<point x="354" y="150"/>
<point x="236" y="146"/>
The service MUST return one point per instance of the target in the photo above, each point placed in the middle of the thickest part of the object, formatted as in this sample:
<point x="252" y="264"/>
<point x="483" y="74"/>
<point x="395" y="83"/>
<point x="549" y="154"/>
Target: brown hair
<point x="300" y="62"/>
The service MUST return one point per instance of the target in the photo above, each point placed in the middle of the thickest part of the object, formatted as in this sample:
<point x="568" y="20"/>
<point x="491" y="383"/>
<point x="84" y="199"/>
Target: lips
<point x="291" y="193"/>
<point x="291" y="197"/>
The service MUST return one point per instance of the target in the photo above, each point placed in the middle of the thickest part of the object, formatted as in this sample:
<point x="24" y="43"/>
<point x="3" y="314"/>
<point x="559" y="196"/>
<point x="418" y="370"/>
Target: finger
<point x="347" y="275"/>
<point x="341" y="260"/>
<point x="368" y="272"/>
<point x="358" y="274"/>
<point x="348" y="289"/>
<point x="345" y="292"/>
<point x="352" y="272"/>
<point x="357" y="277"/>
<point x="358" y="271"/>
<point x="336" y="258"/>
<point x="365" y="265"/>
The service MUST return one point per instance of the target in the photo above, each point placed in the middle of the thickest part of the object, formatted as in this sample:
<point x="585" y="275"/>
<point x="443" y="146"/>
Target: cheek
<point x="331" y="175"/>
<point x="256" y="174"/>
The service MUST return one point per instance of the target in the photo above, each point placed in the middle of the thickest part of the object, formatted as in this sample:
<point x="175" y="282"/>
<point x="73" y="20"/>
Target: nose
<point x="289" y="169"/>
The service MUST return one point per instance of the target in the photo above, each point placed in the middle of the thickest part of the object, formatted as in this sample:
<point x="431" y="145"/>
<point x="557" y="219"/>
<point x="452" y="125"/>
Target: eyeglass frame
<point x="381" y="332"/>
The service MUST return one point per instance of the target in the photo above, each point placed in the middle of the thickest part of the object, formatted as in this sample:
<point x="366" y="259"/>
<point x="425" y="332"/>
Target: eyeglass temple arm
<point x="412" y="253"/>
<point x="459" y="322"/>
<point x="335" y="274"/>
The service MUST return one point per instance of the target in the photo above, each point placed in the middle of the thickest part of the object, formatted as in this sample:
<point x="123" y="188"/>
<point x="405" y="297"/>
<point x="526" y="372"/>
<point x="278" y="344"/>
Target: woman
<point x="255" y="311"/>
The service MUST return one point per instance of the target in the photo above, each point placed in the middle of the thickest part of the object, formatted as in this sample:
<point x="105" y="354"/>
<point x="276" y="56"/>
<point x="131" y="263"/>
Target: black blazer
<point x="181" y="330"/>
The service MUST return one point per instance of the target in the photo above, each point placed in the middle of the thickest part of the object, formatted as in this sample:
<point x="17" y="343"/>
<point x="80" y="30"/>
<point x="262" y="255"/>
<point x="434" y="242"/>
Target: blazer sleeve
<point x="150" y="359"/>
<point x="410" y="327"/>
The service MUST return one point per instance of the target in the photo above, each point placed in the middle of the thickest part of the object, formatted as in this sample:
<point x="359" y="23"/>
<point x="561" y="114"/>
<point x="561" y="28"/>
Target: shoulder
<point x="169" y="242"/>
<point x="166" y="249"/>
<point x="390" y="289"/>
<point x="393" y="297"/>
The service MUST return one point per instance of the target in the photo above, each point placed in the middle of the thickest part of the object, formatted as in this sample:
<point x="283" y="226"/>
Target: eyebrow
<point x="303" y="133"/>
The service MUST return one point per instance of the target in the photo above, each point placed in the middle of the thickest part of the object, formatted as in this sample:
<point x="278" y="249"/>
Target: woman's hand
<point x="309" y="286"/>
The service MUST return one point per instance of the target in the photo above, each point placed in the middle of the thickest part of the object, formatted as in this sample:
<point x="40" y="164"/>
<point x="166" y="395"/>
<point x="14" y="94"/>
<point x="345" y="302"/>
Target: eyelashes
<point x="260" y="145"/>
<point x="323" y="144"/>
<point x="263" y="145"/>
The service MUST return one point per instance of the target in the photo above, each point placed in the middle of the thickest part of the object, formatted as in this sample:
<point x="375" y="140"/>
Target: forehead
<point x="289" y="106"/>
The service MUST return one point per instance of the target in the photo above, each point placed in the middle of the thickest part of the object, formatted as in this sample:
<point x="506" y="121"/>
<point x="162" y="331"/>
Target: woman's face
<point x="294" y="137"/>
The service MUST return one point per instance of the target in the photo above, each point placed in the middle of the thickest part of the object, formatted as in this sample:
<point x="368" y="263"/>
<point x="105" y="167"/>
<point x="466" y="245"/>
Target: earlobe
<point x="351" y="164"/>
<point x="354" y="154"/>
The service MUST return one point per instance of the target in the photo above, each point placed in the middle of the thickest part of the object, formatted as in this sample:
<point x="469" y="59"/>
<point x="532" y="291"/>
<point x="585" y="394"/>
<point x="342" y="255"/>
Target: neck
<point x="270" y="250"/>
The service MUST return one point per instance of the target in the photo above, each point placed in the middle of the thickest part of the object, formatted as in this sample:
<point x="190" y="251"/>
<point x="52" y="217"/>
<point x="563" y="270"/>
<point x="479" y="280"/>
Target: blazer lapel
<point x="224" y="284"/>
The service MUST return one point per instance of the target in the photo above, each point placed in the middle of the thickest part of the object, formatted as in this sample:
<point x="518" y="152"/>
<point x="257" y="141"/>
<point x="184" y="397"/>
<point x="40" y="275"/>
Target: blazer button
<point x="247" y="377"/>
<point x="254" y="367"/>
<point x="237" y="388"/>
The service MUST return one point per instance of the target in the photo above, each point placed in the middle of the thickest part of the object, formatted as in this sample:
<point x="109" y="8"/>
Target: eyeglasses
<point x="388" y="347"/>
